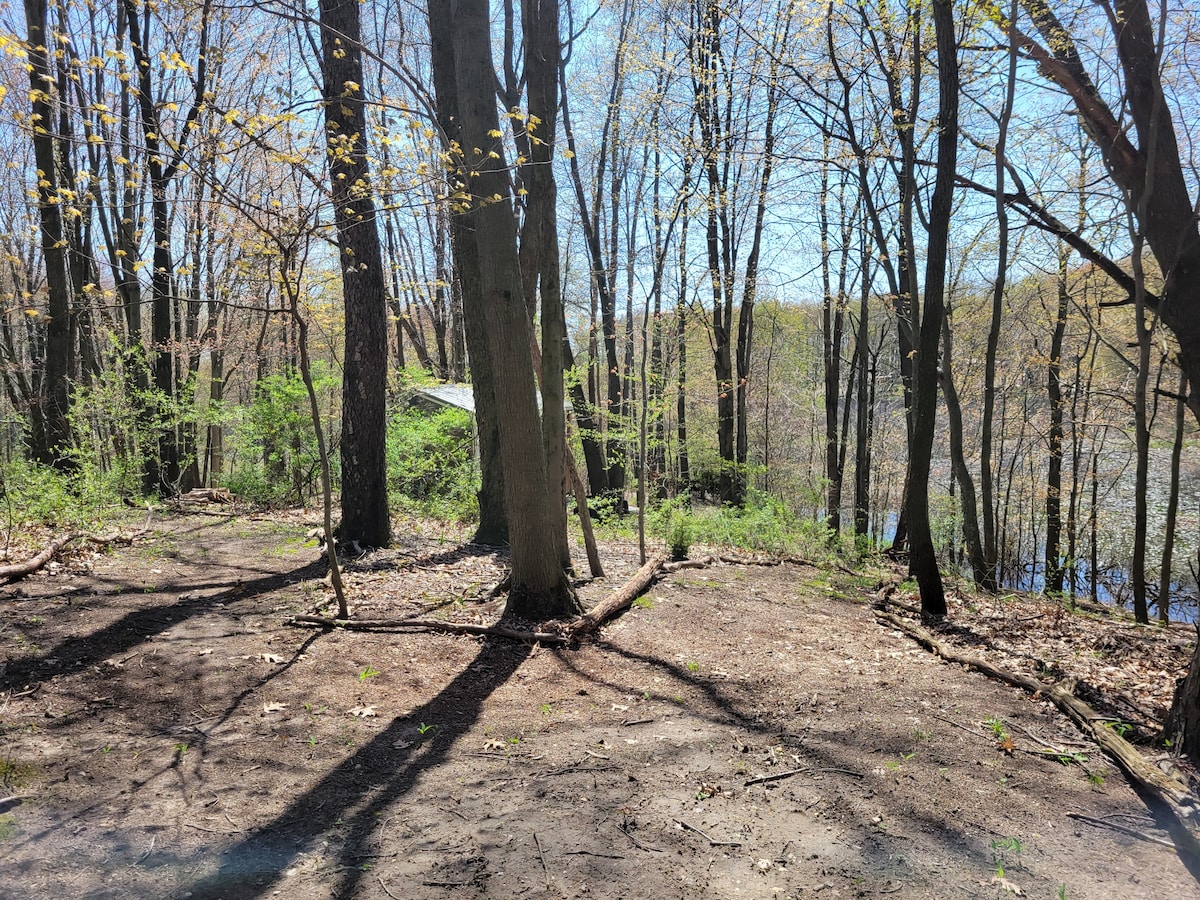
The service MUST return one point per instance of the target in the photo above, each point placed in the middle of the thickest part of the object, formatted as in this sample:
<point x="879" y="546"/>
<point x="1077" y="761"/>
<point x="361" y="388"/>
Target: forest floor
<point x="170" y="735"/>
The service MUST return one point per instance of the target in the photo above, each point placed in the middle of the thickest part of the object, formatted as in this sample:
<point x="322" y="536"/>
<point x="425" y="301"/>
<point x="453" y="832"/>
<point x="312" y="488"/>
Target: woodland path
<point x="172" y="737"/>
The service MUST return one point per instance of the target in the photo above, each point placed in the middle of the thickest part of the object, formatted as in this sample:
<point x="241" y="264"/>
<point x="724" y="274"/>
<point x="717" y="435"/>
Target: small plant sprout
<point x="181" y="748"/>
<point x="366" y="673"/>
<point x="423" y="728"/>
<point x="693" y="666"/>
<point x="1001" y="847"/>
<point x="546" y="709"/>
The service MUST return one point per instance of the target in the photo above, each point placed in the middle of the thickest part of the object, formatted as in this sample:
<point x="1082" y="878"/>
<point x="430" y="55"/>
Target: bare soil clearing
<point x="743" y="731"/>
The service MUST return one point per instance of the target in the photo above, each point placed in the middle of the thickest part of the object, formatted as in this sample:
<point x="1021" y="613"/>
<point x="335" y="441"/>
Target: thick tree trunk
<point x="54" y="443"/>
<point x="492" y="530"/>
<point x="365" y="517"/>
<point x="539" y="22"/>
<point x="539" y="588"/>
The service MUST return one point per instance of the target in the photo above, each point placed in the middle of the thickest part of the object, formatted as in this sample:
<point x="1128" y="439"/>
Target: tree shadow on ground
<point x="139" y="625"/>
<point x="354" y="797"/>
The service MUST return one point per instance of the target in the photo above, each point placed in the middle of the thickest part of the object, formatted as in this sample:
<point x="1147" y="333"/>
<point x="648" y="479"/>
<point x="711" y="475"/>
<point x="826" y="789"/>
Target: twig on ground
<point x="1132" y="832"/>
<point x="638" y="843"/>
<point x="542" y="857"/>
<point x="778" y="776"/>
<point x="712" y="842"/>
<point x="385" y="888"/>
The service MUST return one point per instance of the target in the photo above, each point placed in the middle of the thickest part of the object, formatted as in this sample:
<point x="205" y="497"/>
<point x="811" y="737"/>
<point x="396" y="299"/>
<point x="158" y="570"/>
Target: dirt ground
<point x="169" y="735"/>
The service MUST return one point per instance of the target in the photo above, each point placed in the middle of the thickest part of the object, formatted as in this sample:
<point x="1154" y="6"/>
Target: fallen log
<point x="15" y="571"/>
<point x="620" y="599"/>
<point x="701" y="563"/>
<point x="1167" y="797"/>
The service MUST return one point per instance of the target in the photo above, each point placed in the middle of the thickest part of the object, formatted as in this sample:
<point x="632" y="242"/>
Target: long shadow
<point x="354" y="796"/>
<point x="135" y="627"/>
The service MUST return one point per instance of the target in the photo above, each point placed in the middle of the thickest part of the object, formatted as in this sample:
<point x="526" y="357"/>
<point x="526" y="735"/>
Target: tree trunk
<point x="539" y="588"/>
<point x="970" y="512"/>
<point x="1168" y="549"/>
<point x="365" y="516"/>
<point x="922" y="558"/>
<point x="539" y="22"/>
<point x="492" y="530"/>
<point x="55" y="442"/>
<point x="1053" y="555"/>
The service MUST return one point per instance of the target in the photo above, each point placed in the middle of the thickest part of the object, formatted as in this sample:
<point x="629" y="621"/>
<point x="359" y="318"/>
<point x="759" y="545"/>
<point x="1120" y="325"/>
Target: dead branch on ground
<point x="15" y="571"/>
<point x="619" y="600"/>
<point x="1161" y="792"/>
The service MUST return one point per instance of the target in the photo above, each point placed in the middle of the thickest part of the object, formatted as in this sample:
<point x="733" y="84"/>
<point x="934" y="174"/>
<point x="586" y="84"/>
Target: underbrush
<point x="431" y="466"/>
<point x="33" y="494"/>
<point x="763" y="525"/>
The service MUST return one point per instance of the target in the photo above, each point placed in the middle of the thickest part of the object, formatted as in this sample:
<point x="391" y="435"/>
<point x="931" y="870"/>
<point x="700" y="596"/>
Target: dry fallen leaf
<point x="205" y="652"/>
<point x="363" y="712"/>
<point x="270" y="658"/>
<point x="274" y="707"/>
<point x="1008" y="886"/>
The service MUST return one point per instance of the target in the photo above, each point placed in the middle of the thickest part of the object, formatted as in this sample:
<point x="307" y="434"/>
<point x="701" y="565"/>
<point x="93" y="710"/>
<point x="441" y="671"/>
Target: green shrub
<point x="431" y="466"/>
<point x="33" y="493"/>
<point x="275" y="446"/>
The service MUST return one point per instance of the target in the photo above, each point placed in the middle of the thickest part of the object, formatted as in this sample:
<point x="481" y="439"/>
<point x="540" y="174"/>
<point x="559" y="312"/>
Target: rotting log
<point x="15" y="571"/>
<point x="1168" y="798"/>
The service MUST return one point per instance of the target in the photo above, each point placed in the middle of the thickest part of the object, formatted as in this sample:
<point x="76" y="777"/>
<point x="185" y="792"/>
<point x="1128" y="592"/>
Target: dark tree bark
<point x="54" y="438"/>
<point x="970" y="513"/>
<point x="539" y="24"/>
<point x="365" y="517"/>
<point x="1054" y="396"/>
<point x="923" y="564"/>
<point x="539" y="588"/>
<point x="864" y="413"/>
<point x="1168" y="548"/>
<point x="492" y="530"/>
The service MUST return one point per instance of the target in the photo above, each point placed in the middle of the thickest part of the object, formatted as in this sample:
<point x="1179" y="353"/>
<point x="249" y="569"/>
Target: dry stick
<point x="711" y="841"/>
<point x="778" y="776"/>
<point x="638" y="843"/>
<point x="1132" y="832"/>
<point x="542" y="857"/>
<point x="1170" y="796"/>
<point x="385" y="888"/>
<point x="19" y="570"/>
<point x="762" y="779"/>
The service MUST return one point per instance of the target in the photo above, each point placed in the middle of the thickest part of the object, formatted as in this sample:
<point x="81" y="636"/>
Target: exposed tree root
<point x="15" y="571"/>
<point x="1168" y="799"/>
<point x="506" y="631"/>
<point x="614" y="603"/>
